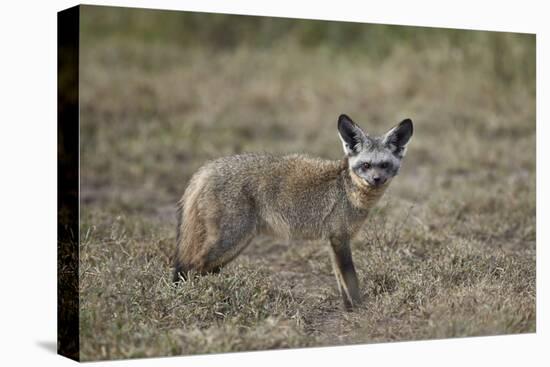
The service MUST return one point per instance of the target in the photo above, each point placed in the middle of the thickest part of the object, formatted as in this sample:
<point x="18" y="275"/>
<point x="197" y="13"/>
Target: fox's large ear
<point x="353" y="138"/>
<point x="397" y="138"/>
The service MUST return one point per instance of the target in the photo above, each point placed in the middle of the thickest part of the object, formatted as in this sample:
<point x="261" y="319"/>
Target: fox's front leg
<point x="344" y="270"/>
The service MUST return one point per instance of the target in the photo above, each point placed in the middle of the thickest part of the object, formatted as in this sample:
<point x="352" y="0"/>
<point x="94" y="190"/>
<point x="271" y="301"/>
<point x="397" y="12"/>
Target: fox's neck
<point x="359" y="193"/>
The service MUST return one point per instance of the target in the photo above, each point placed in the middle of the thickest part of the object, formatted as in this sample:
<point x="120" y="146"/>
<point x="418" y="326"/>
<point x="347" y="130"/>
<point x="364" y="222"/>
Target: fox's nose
<point x="377" y="179"/>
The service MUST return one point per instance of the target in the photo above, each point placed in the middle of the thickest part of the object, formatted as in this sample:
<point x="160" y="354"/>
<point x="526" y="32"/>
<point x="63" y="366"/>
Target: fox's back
<point x="289" y="195"/>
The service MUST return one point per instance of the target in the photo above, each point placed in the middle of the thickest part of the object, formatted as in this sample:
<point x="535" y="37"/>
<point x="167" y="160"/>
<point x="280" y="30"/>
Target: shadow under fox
<point x="232" y="199"/>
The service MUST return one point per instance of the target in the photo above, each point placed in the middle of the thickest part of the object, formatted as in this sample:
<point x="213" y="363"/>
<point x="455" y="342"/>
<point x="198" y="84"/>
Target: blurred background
<point x="162" y="92"/>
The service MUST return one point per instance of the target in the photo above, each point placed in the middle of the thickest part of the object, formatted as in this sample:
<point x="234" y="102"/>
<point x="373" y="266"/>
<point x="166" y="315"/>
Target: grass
<point x="449" y="251"/>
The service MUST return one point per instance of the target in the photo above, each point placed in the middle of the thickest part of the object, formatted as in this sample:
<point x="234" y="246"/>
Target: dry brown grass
<point x="449" y="252"/>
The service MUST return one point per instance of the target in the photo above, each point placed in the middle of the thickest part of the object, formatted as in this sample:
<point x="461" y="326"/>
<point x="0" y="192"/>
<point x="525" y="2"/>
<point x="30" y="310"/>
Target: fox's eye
<point x="384" y="165"/>
<point x="366" y="165"/>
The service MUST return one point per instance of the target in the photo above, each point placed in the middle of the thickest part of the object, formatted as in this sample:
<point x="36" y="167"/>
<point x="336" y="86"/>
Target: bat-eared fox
<point x="230" y="200"/>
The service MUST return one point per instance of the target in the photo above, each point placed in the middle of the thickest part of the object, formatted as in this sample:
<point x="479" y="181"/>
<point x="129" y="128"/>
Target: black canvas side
<point x="68" y="343"/>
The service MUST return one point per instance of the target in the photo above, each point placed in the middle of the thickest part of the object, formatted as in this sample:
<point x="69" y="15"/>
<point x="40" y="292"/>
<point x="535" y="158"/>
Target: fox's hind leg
<point x="219" y="234"/>
<point x="344" y="270"/>
<point x="232" y="233"/>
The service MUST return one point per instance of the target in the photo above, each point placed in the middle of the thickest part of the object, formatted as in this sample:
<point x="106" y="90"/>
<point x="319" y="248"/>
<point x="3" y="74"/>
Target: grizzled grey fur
<point x="232" y="199"/>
